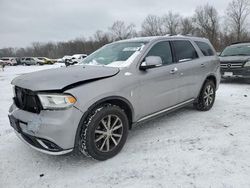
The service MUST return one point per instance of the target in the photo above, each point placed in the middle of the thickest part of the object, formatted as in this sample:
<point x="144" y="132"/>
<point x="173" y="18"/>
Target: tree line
<point x="205" y="22"/>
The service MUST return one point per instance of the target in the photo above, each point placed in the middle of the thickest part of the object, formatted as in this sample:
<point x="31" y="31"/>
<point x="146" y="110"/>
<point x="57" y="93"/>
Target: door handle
<point x="203" y="65"/>
<point x="173" y="71"/>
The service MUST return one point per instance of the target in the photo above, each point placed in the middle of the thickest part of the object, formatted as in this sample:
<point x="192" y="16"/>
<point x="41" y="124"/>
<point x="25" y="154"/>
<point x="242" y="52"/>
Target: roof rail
<point x="240" y="42"/>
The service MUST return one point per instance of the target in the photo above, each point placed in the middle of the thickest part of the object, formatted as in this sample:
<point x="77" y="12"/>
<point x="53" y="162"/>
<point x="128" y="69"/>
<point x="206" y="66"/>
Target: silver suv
<point x="90" y="107"/>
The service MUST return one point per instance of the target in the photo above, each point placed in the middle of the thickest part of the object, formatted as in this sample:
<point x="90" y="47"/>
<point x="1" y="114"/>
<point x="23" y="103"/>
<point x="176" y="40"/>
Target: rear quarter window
<point x="205" y="48"/>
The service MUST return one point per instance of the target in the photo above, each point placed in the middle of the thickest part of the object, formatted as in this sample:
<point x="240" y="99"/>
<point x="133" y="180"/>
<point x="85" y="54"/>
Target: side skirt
<point x="163" y="112"/>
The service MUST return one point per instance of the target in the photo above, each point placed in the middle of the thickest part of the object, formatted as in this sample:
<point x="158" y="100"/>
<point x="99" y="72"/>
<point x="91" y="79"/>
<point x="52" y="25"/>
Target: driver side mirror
<point x="151" y="62"/>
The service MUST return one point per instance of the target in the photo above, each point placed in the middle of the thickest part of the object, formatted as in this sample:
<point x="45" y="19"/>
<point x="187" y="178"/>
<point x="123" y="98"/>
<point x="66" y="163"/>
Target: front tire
<point x="206" y="98"/>
<point x="104" y="133"/>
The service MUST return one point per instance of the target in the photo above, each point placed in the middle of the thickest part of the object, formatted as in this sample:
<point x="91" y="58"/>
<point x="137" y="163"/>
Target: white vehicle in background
<point x="11" y="61"/>
<point x="32" y="61"/>
<point x="77" y="58"/>
<point x="1" y="62"/>
<point x="66" y="57"/>
<point x="59" y="60"/>
<point x="63" y="59"/>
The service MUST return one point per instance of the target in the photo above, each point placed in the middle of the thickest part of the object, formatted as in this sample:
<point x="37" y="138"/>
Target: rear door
<point x="209" y="60"/>
<point x="188" y="69"/>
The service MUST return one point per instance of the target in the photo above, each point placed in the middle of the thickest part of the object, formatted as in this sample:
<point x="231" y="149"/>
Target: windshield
<point x="242" y="50"/>
<point x="113" y="54"/>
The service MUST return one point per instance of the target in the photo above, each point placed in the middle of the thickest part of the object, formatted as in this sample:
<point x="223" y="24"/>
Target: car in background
<point x="18" y="60"/>
<point x="46" y="61"/>
<point x="1" y="62"/>
<point x="11" y="61"/>
<point x="235" y="61"/>
<point x="63" y="59"/>
<point x="59" y="60"/>
<point x="77" y="58"/>
<point x="66" y="57"/>
<point x="32" y="61"/>
<point x="22" y="60"/>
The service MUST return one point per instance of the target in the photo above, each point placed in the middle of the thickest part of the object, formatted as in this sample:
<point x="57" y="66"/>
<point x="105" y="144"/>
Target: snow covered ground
<point x="186" y="148"/>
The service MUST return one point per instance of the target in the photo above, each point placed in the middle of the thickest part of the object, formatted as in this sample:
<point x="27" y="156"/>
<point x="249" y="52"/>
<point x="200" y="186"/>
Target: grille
<point x="231" y="65"/>
<point x="27" y="100"/>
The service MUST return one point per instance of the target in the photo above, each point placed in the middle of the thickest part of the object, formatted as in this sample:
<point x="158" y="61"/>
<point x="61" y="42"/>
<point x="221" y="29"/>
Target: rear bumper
<point x="235" y="73"/>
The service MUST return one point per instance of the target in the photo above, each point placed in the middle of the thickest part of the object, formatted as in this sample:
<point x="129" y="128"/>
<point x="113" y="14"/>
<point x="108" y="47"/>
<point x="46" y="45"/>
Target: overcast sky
<point x="25" y="21"/>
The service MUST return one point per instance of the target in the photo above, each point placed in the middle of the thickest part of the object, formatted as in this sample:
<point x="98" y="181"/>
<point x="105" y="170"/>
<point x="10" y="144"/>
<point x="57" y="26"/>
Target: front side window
<point x="205" y="48"/>
<point x="184" y="50"/>
<point x="163" y="50"/>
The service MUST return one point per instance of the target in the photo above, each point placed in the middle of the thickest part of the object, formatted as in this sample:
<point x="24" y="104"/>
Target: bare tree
<point x="207" y="21"/>
<point x="152" y="26"/>
<point x="237" y="12"/>
<point x="171" y="23"/>
<point x="7" y="52"/>
<point x="186" y="26"/>
<point x="119" y="30"/>
<point x="102" y="36"/>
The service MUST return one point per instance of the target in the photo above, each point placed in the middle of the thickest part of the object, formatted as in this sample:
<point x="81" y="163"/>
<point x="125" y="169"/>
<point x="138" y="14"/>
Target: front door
<point x="158" y="86"/>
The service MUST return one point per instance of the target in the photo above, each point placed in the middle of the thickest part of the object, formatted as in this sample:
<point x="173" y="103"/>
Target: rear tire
<point x="104" y="133"/>
<point x="206" y="98"/>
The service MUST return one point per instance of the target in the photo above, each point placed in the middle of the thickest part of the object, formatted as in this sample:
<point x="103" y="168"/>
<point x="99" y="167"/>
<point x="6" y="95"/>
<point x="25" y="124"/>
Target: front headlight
<point x="56" y="101"/>
<point x="247" y="64"/>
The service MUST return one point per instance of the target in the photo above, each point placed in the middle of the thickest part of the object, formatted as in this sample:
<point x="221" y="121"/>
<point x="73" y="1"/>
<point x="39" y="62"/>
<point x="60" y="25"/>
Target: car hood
<point x="234" y="58"/>
<point x="63" y="78"/>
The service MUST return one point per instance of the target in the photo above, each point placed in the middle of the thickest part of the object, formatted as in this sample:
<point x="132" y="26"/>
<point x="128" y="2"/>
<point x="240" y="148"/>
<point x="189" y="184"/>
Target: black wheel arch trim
<point x="94" y="105"/>
<point x="209" y="75"/>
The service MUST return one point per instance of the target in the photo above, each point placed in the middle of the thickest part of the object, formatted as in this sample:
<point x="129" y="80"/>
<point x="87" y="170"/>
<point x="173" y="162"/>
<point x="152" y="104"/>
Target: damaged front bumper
<point x="42" y="148"/>
<point x="50" y="132"/>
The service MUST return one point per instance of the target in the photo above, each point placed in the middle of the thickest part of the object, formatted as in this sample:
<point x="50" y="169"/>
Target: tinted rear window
<point x="184" y="50"/>
<point x="205" y="48"/>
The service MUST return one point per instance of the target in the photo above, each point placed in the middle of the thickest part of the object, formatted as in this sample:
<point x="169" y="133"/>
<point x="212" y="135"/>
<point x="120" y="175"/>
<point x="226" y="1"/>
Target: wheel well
<point x="123" y="105"/>
<point x="212" y="78"/>
<point x="121" y="102"/>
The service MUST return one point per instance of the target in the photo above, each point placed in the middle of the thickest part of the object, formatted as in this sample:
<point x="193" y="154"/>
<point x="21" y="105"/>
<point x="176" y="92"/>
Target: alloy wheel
<point x="108" y="133"/>
<point x="208" y="95"/>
